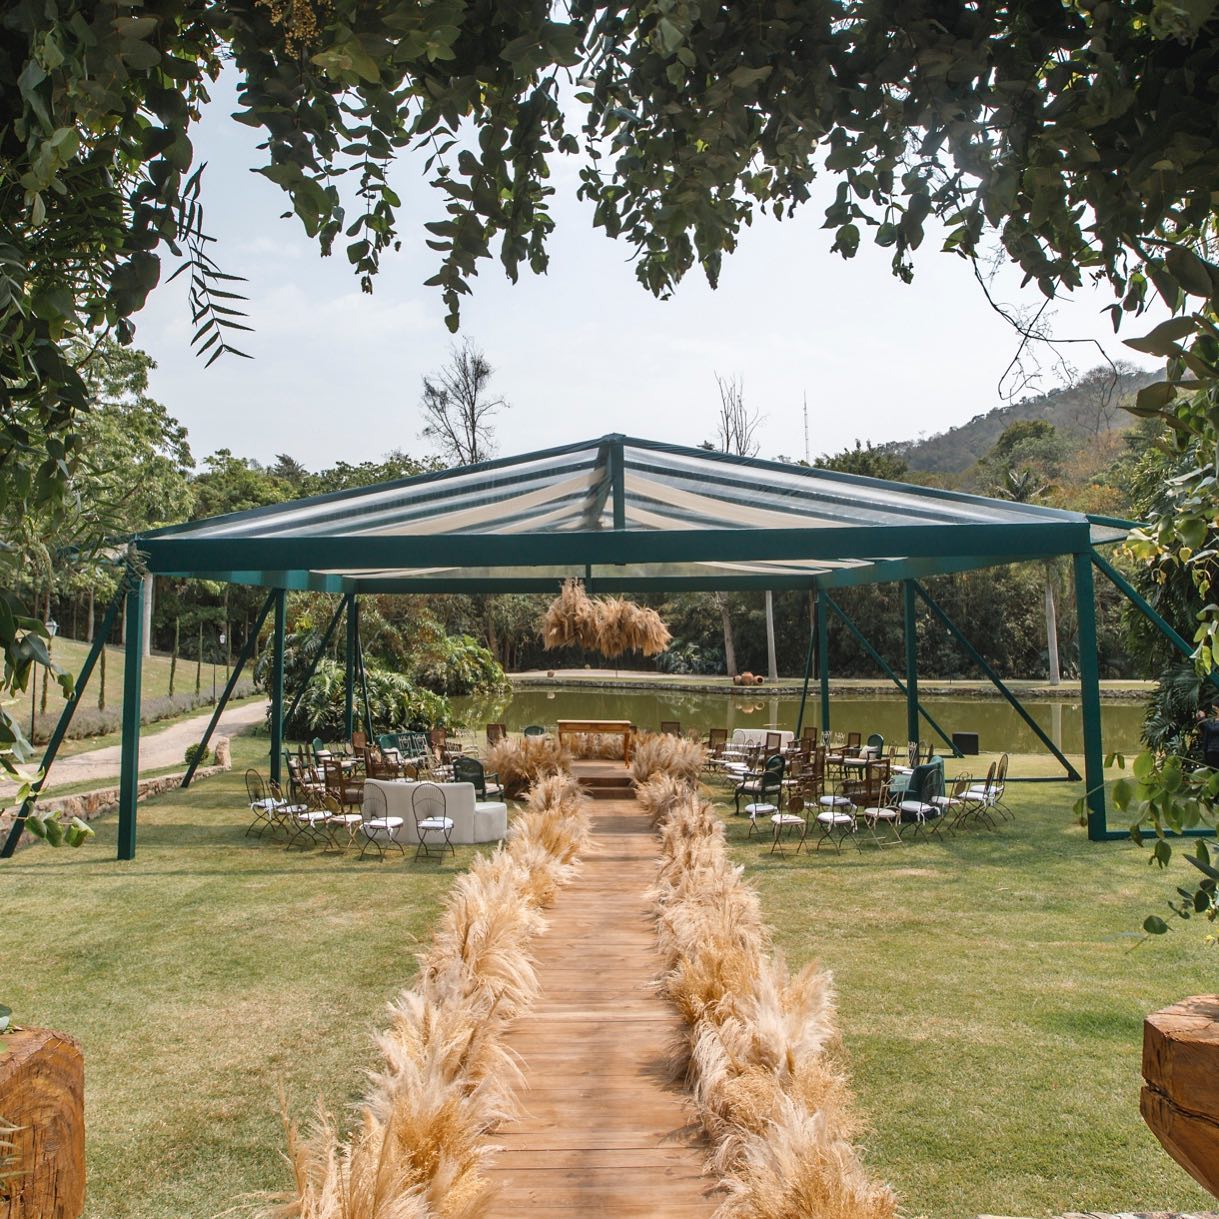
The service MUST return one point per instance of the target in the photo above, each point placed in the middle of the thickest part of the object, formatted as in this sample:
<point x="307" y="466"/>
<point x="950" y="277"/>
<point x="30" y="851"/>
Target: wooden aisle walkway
<point x="601" y="1132"/>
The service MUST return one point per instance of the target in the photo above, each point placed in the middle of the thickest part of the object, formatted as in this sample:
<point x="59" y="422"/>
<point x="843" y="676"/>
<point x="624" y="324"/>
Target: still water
<point x="998" y="726"/>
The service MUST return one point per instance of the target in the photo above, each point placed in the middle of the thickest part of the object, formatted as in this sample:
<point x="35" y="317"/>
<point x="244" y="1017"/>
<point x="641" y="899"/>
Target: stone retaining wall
<point x="97" y="803"/>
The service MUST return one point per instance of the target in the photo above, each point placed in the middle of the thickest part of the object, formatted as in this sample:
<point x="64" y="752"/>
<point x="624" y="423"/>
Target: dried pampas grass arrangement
<point x="761" y="1045"/>
<point x="523" y="762"/>
<point x="596" y="745"/>
<point x="446" y="1079"/>
<point x="609" y="625"/>
<point x="658" y="753"/>
<point x="571" y="618"/>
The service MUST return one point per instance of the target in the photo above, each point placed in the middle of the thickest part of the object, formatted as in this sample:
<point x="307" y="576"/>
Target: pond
<point x="998" y="726"/>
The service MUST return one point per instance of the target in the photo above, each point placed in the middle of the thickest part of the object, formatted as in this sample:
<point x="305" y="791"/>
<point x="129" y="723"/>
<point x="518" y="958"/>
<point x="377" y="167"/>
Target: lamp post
<point x="220" y="640"/>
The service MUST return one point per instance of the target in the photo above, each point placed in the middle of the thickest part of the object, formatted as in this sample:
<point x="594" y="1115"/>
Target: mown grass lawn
<point x="202" y="978"/>
<point x="991" y="990"/>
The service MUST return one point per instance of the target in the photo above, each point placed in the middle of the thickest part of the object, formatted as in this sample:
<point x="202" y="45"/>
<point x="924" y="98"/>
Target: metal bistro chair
<point x="535" y="730"/>
<point x="794" y="818"/>
<point x="471" y="770"/>
<point x="304" y="822"/>
<point x="377" y="826"/>
<point x="431" y="817"/>
<point x="265" y="808"/>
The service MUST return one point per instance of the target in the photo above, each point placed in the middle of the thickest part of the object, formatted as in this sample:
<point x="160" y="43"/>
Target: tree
<point x="458" y="406"/>
<point x="1075" y="139"/>
<point x="736" y="425"/>
<point x="873" y="461"/>
<point x="1100" y="394"/>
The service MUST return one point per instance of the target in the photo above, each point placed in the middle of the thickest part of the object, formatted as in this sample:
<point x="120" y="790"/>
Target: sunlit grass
<point x="201" y="978"/>
<point x="992" y="990"/>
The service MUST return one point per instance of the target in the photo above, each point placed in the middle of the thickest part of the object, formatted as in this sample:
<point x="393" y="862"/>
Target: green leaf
<point x="1190" y="271"/>
<point x="1154" y="925"/>
<point x="1162" y="340"/>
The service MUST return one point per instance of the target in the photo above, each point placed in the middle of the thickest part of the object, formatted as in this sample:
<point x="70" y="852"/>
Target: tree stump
<point x="42" y="1092"/>
<point x="1181" y="1099"/>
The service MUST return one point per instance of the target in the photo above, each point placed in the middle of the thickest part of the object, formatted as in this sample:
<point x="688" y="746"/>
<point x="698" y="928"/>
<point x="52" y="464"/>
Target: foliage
<point x="196" y="754"/>
<point x="463" y="666"/>
<point x="1170" y="725"/>
<point x="394" y="702"/>
<point x="52" y="828"/>
<point x="685" y="657"/>
<point x="874" y="461"/>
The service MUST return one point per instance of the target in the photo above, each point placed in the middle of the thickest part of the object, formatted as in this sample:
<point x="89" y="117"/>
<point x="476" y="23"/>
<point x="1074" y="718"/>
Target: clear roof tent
<point x="623" y="513"/>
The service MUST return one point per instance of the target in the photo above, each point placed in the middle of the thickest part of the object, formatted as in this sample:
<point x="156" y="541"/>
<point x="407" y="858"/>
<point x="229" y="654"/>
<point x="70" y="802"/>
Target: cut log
<point x="42" y="1093"/>
<point x="1181" y="1069"/>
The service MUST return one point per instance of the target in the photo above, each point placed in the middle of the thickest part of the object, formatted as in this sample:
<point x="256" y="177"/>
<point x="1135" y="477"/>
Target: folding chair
<point x="430" y="810"/>
<point x="717" y="739"/>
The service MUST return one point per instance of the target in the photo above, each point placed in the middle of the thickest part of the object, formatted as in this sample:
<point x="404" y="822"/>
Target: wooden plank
<point x="1181" y="1100"/>
<point x="42" y="1093"/>
<point x="602" y="1131"/>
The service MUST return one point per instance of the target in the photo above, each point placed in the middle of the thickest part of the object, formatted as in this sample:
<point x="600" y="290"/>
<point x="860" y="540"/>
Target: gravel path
<point x="157" y="749"/>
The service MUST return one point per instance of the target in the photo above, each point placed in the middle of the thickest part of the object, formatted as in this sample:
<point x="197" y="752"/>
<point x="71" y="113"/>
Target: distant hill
<point x="1080" y="410"/>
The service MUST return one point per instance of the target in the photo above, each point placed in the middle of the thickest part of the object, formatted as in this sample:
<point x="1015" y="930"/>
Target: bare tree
<point x="736" y="424"/>
<point x="736" y="427"/>
<point x="1100" y="394"/>
<point x="457" y="406"/>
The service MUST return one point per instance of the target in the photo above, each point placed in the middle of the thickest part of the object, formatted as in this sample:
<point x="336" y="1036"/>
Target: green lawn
<point x="991" y="991"/>
<point x="203" y="977"/>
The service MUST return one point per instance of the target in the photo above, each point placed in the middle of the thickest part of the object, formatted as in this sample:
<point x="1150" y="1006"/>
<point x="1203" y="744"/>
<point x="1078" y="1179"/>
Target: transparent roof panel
<point x="615" y="486"/>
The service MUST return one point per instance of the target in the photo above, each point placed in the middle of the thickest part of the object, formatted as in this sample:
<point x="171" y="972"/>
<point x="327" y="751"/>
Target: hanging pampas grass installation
<point x="661" y="753"/>
<point x="446" y="1079"/>
<point x="609" y="625"/>
<point x="761" y="1050"/>
<point x="571" y="618"/>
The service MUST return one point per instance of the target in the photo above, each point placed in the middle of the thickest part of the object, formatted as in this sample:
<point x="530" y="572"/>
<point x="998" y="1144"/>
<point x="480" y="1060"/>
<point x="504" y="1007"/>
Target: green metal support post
<point x="910" y="620"/>
<point x="129" y="748"/>
<point x="883" y="665"/>
<point x="363" y="685"/>
<point x="239" y="665"/>
<point x="65" y="719"/>
<point x="808" y="672"/>
<point x="349" y="685"/>
<point x="1089" y="690"/>
<point x="280" y="597"/>
<point x="996" y="681"/>
<point x="823" y="659"/>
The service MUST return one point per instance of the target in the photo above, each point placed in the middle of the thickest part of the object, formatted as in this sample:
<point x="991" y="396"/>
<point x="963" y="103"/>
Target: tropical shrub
<point x="460" y="665"/>
<point x="686" y="657"/>
<point x="395" y="704"/>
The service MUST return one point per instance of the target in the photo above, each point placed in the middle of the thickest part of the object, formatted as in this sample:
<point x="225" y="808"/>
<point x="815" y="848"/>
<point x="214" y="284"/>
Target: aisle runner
<point x="601" y="1132"/>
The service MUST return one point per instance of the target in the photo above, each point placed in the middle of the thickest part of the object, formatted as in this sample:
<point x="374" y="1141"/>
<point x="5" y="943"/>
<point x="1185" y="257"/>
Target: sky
<point x="585" y="349"/>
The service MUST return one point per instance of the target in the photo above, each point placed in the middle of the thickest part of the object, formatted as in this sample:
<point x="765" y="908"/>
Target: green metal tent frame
<point x="625" y="514"/>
